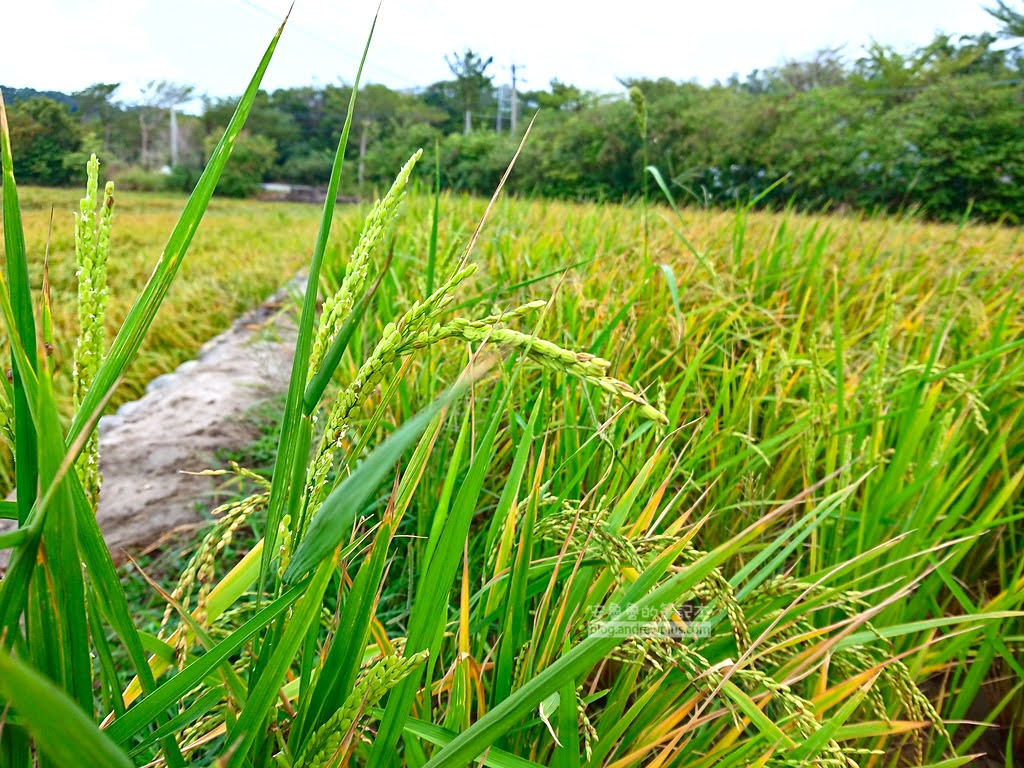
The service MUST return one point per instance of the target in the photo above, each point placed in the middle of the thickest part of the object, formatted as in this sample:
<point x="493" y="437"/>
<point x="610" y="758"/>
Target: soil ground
<point x="149" y="446"/>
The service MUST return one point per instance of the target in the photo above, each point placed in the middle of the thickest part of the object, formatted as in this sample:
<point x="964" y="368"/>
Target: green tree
<point x="394" y="147"/>
<point x="159" y="97"/>
<point x="443" y="96"/>
<point x="46" y="136"/>
<point x="591" y="154"/>
<point x="95" y="107"/>
<point x="474" y="85"/>
<point x="563" y="96"/>
<point x="381" y="111"/>
<point x="898" y="76"/>
<point x="956" y="145"/>
<point x="1012" y="20"/>
<point x="711" y="141"/>
<point x="306" y="107"/>
<point x="266" y="118"/>
<point x="817" y="141"/>
<point x="250" y="161"/>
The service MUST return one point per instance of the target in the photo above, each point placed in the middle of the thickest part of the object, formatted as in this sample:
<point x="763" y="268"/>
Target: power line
<point x="328" y="43"/>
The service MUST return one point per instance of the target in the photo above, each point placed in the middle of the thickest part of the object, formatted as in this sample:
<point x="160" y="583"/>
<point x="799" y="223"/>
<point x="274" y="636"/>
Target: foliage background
<point x="937" y="129"/>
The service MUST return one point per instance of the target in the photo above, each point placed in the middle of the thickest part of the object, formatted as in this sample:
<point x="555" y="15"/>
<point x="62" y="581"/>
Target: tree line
<point x="939" y="129"/>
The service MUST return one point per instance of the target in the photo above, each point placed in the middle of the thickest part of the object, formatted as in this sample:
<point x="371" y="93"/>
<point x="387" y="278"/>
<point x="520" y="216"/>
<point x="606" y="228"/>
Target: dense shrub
<point x="312" y="168"/>
<point x="141" y="180"/>
<point x="958" y="144"/>
<point x="936" y="130"/>
<point x="46" y="134"/>
<point x="251" y="159"/>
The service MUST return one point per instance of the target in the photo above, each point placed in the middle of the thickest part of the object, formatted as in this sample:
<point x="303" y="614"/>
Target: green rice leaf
<point x="22" y="329"/>
<point x="172" y="691"/>
<point x="429" y="614"/>
<point x="764" y="724"/>
<point x="333" y="521"/>
<point x="440" y="736"/>
<point x="287" y="461"/>
<point x="341" y="664"/>
<point x="59" y="727"/>
<point x="140" y="317"/>
<point x="272" y="676"/>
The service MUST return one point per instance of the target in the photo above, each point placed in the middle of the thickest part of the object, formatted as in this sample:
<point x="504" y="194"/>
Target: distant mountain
<point x="14" y="95"/>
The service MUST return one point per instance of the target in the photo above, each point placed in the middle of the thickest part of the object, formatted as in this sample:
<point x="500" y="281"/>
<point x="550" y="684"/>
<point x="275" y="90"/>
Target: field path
<point x="184" y="418"/>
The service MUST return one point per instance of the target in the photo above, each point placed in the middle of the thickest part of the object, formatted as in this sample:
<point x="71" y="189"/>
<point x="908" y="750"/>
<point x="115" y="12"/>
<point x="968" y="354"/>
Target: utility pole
<point x="515" y="97"/>
<point x="497" y="122"/>
<point x="174" y="137"/>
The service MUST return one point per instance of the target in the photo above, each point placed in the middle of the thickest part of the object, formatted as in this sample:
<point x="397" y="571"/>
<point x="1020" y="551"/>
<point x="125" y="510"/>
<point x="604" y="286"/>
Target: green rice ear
<point x="92" y="246"/>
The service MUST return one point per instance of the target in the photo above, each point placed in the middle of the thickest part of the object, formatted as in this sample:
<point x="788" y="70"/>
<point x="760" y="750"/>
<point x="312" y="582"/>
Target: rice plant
<point x="481" y="543"/>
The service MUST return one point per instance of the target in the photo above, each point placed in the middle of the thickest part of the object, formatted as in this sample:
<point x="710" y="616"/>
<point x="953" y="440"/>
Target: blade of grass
<point x="24" y="328"/>
<point x="343" y="659"/>
<point x="287" y="445"/>
<point x="60" y="729"/>
<point x="429" y="613"/>
<point x="439" y="736"/>
<point x="140" y="317"/>
<point x="251" y="719"/>
<point x="643" y="595"/>
<point x="60" y="562"/>
<point x="150" y="707"/>
<point x="333" y="521"/>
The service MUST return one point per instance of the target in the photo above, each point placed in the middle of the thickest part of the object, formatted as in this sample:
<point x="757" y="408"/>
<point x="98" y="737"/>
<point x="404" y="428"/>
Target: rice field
<point x="863" y="375"/>
<point x="242" y="254"/>
<point x="820" y="539"/>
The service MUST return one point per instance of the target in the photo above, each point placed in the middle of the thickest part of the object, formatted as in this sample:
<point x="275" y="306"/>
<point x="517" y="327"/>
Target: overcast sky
<point x="215" y="44"/>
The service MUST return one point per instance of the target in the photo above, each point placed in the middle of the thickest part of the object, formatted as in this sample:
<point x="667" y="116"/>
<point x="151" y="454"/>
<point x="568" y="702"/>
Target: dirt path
<point x="184" y="418"/>
<point x="182" y="421"/>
